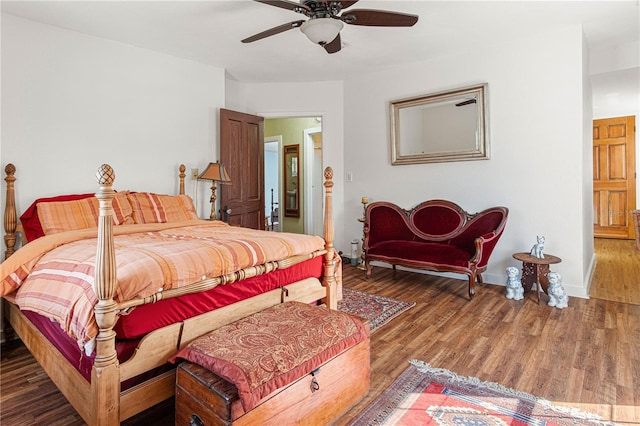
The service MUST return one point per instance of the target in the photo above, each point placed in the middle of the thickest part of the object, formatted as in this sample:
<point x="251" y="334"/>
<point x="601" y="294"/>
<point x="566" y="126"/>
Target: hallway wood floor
<point x="617" y="273"/>
<point x="586" y="356"/>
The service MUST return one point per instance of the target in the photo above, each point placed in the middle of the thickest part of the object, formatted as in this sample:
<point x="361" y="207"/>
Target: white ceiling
<point x="210" y="31"/>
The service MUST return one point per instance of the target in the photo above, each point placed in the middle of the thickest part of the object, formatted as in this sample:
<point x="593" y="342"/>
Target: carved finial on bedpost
<point x="329" y="279"/>
<point x="105" y="377"/>
<point x="10" y="216"/>
<point x="182" y="174"/>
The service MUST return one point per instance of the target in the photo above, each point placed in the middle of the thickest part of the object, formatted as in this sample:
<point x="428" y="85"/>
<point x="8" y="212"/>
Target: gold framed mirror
<point x="438" y="127"/>
<point x="292" y="180"/>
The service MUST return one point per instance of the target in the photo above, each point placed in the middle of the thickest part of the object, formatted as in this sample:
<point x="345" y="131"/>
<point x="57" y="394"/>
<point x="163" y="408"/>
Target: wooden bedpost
<point x="182" y="175"/>
<point x="10" y="216"/>
<point x="105" y="376"/>
<point x="329" y="278"/>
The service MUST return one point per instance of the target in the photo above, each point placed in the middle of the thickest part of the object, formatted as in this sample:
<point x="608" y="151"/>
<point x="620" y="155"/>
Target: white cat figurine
<point x="557" y="296"/>
<point x="514" y="286"/>
<point x="538" y="248"/>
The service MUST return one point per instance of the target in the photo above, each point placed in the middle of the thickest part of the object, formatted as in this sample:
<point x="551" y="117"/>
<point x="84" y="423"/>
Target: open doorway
<point x="305" y="133"/>
<point x="616" y="94"/>
<point x="614" y="200"/>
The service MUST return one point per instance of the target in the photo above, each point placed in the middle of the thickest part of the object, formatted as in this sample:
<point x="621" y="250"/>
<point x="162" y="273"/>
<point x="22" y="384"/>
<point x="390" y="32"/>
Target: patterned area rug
<point x="423" y="395"/>
<point x="379" y="310"/>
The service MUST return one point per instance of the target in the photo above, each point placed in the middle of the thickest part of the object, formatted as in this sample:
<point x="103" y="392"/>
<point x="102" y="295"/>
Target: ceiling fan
<point x="325" y="21"/>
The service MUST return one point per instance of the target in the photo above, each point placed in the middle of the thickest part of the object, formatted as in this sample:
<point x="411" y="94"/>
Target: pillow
<point x="61" y="216"/>
<point x="157" y="208"/>
<point x="30" y="221"/>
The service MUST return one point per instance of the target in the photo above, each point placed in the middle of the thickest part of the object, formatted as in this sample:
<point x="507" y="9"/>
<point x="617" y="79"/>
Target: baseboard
<point x="589" y="274"/>
<point x="572" y="291"/>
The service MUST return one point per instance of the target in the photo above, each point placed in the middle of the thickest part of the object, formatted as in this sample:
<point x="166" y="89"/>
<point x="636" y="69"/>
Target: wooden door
<point x="242" y="153"/>
<point x="614" y="177"/>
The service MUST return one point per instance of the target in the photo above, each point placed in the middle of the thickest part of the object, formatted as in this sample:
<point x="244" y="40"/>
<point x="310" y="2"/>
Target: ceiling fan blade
<point x="284" y="4"/>
<point x="334" y="46"/>
<point x="348" y="3"/>
<point x="273" y="31"/>
<point x="378" y="18"/>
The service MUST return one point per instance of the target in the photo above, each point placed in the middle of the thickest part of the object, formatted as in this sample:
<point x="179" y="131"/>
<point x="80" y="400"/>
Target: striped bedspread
<point x="54" y="275"/>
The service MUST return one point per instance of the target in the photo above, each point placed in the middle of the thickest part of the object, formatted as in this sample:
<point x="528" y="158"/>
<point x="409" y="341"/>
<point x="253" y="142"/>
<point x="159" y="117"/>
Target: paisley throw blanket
<point x="272" y="348"/>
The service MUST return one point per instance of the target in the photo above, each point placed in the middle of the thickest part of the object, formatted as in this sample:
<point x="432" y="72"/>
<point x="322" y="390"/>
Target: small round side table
<point x="535" y="270"/>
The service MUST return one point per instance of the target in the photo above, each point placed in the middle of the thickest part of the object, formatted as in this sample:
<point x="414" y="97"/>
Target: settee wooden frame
<point x="101" y="401"/>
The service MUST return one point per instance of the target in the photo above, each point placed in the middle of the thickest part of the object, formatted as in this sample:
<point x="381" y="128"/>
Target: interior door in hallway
<point x="614" y="177"/>
<point x="242" y="153"/>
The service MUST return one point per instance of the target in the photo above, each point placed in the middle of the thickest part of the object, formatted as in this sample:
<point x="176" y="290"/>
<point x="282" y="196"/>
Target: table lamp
<point x="214" y="172"/>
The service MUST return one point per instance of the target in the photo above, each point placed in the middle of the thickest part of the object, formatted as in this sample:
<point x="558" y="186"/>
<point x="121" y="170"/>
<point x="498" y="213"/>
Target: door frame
<point x="310" y="219"/>
<point x="275" y="139"/>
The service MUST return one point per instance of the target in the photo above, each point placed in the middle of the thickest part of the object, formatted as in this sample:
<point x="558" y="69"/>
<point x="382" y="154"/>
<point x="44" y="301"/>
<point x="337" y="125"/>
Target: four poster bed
<point x="103" y="332"/>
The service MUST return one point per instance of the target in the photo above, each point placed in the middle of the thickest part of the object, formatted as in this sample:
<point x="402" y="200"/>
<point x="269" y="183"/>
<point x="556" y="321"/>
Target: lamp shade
<point x="321" y="30"/>
<point x="215" y="172"/>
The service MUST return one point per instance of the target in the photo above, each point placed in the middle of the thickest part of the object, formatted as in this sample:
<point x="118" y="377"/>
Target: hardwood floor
<point x="617" y="273"/>
<point x="586" y="356"/>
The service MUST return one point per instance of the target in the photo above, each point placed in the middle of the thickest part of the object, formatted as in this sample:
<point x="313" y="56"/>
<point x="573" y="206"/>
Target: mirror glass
<point x="291" y="181"/>
<point x="438" y="127"/>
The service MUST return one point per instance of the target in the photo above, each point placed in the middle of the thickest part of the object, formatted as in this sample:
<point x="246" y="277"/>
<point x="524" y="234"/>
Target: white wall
<point x="537" y="139"/>
<point x="325" y="99"/>
<point x="71" y="102"/>
<point x="614" y="58"/>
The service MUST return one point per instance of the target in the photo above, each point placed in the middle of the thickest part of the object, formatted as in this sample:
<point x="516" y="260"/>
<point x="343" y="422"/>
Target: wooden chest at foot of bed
<point x="202" y="398"/>
<point x="316" y="397"/>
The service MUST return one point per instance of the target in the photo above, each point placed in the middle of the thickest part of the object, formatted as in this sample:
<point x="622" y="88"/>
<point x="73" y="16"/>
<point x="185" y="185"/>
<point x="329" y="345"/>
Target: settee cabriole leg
<point x="472" y="286"/>
<point x="367" y="270"/>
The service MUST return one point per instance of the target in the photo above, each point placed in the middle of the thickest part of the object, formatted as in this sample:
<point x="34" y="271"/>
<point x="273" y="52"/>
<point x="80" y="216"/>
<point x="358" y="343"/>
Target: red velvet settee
<point x="436" y="235"/>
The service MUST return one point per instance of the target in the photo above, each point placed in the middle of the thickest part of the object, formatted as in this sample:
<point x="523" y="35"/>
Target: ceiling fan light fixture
<point x="321" y="30"/>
